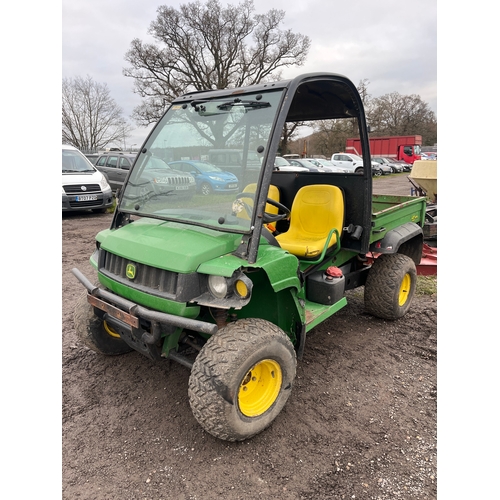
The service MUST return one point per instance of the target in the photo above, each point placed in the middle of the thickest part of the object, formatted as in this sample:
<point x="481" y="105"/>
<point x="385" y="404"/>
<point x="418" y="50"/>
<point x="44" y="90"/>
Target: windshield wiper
<point x="76" y="171"/>
<point x="246" y="104"/>
<point x="209" y="108"/>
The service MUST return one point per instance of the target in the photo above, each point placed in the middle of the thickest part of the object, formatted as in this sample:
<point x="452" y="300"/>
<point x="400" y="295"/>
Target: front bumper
<point x="70" y="202"/>
<point x="129" y="313"/>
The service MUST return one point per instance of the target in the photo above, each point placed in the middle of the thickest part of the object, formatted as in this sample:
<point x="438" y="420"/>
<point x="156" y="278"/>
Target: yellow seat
<point x="273" y="193"/>
<point x="316" y="211"/>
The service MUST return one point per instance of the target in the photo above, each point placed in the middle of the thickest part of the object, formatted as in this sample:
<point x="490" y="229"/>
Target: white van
<point x="83" y="186"/>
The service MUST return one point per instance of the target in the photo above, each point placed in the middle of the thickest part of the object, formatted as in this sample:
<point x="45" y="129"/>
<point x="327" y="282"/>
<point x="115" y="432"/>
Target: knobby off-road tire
<point x="241" y="379"/>
<point x="390" y="286"/>
<point x="95" y="333"/>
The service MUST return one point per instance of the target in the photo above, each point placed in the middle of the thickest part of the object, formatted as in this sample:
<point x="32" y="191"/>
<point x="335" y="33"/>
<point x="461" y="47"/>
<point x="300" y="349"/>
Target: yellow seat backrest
<point x="316" y="210"/>
<point x="273" y="193"/>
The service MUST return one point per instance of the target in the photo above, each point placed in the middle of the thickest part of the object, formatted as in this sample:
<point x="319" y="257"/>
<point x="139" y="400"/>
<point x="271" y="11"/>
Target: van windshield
<point x="231" y="134"/>
<point x="74" y="162"/>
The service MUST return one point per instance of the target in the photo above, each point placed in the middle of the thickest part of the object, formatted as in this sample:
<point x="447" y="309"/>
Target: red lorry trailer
<point x="399" y="147"/>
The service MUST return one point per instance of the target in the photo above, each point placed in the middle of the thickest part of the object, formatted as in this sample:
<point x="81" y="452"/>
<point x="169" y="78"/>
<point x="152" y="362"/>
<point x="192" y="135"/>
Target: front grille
<point x="83" y="204"/>
<point x="151" y="280"/>
<point x="77" y="189"/>
<point x="175" y="181"/>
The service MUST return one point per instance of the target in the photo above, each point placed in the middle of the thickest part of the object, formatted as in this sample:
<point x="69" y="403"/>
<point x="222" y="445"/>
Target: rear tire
<point x="95" y="333"/>
<point x="390" y="286"/>
<point x="241" y="379"/>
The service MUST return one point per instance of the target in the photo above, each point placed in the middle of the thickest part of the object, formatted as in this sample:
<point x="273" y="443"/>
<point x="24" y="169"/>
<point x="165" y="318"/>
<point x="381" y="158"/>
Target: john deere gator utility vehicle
<point x="229" y="285"/>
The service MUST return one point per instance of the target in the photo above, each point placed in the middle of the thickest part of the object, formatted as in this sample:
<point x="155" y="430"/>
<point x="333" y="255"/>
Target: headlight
<point x="214" y="178"/>
<point x="104" y="183"/>
<point x="217" y="286"/>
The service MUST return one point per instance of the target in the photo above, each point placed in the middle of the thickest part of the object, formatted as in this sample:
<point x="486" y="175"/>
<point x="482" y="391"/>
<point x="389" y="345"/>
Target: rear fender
<point x="407" y="239"/>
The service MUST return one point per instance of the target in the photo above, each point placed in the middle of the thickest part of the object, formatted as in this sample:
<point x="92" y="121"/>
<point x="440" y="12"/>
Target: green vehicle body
<point x="154" y="270"/>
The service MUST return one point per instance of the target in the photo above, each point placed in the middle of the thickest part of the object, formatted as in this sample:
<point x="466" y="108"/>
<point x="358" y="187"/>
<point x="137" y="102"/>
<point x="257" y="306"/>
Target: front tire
<point x="94" y="332"/>
<point x="241" y="379"/>
<point x="390" y="286"/>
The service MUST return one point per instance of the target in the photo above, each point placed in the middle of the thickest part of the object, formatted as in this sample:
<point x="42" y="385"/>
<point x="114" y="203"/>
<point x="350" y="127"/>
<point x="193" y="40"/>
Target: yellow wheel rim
<point x="260" y="388"/>
<point x="110" y="330"/>
<point x="404" y="289"/>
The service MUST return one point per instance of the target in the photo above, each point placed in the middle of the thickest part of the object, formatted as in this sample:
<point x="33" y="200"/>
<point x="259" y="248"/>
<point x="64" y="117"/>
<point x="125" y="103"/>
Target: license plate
<point x="230" y="186"/>
<point x="86" y="197"/>
<point x="181" y="188"/>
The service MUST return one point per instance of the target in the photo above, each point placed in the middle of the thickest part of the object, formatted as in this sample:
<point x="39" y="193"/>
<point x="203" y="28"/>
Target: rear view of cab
<point x="83" y="186"/>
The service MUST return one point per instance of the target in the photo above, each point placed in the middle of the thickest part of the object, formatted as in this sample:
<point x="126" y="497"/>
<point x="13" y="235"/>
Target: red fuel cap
<point x="334" y="272"/>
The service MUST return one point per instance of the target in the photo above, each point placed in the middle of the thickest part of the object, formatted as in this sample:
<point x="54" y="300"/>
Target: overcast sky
<point x="387" y="42"/>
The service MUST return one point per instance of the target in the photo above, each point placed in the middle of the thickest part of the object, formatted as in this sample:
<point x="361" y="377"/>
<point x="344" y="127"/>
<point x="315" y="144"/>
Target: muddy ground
<point x="360" y="423"/>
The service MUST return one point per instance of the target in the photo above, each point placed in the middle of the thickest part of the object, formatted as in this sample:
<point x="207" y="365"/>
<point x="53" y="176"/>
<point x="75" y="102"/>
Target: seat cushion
<point x="316" y="210"/>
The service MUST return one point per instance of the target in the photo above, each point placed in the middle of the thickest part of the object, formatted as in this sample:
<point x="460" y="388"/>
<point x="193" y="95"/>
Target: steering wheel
<point x="285" y="212"/>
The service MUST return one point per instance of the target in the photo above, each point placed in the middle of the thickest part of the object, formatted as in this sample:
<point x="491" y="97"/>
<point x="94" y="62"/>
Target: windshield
<point x="74" y="162"/>
<point x="417" y="150"/>
<point x="229" y="133"/>
<point x="281" y="162"/>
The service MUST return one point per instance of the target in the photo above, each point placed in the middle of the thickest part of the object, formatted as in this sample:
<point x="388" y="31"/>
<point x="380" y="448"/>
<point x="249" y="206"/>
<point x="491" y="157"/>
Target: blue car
<point x="209" y="178"/>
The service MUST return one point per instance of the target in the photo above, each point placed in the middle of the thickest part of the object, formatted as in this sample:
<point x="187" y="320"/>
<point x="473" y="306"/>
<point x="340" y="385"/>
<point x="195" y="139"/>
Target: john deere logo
<point x="130" y="272"/>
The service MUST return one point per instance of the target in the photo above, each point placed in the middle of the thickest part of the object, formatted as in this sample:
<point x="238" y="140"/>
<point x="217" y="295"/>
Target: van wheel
<point x="390" y="286"/>
<point x="359" y="171"/>
<point x="241" y="379"/>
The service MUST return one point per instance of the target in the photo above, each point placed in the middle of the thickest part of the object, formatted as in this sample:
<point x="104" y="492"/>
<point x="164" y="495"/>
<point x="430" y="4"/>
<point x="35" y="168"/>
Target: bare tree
<point x="396" y="114"/>
<point x="90" y="117"/>
<point x="391" y="114"/>
<point x="207" y="46"/>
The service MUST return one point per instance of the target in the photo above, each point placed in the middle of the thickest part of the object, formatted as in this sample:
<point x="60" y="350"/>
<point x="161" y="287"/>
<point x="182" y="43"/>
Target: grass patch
<point x="426" y="285"/>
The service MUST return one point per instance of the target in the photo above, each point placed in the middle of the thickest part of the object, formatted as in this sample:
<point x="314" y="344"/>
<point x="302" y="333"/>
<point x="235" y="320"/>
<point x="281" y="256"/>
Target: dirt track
<point x="360" y="423"/>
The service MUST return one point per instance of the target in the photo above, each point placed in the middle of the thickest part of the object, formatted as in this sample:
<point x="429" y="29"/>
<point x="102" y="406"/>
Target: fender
<point x="407" y="239"/>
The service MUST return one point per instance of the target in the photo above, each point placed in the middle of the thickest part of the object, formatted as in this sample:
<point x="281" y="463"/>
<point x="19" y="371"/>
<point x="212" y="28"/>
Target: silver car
<point x="395" y="167"/>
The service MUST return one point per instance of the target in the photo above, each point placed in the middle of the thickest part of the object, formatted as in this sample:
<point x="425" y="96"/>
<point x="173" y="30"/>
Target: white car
<point x="83" y="186"/>
<point x="349" y="162"/>
<point x="326" y="165"/>
<point x="283" y="165"/>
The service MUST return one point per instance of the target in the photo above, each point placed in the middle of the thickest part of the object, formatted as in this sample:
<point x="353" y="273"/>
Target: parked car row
<point x="428" y="156"/>
<point x="396" y="166"/>
<point x="192" y="175"/>
<point x="342" y="163"/>
<point x="89" y="180"/>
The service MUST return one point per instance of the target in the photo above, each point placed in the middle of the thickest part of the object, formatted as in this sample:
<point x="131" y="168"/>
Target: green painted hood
<point x="168" y="245"/>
